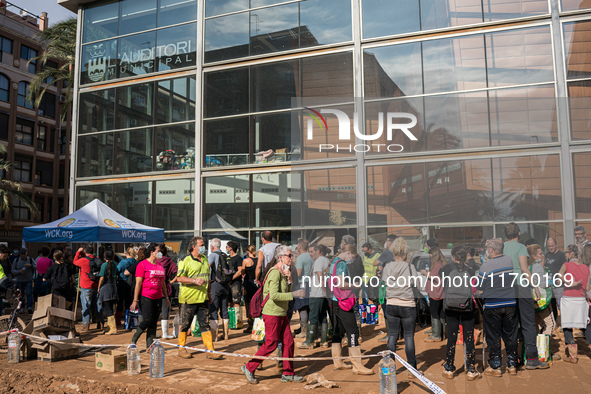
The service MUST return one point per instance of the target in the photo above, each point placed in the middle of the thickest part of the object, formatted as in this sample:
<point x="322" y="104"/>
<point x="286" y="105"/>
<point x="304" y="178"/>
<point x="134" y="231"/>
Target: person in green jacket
<point x="277" y="286"/>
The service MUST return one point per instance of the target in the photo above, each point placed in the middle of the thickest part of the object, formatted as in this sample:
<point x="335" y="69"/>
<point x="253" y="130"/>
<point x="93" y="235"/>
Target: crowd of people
<point x="519" y="292"/>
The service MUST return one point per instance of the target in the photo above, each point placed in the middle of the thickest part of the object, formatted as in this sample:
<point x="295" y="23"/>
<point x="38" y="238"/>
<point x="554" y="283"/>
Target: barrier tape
<point x="430" y="385"/>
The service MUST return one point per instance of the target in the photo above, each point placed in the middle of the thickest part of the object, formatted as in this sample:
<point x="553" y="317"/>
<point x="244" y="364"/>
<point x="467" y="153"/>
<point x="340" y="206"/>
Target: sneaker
<point x="490" y="371"/>
<point x="291" y="378"/>
<point x="536" y="364"/>
<point x="473" y="375"/>
<point x="249" y="375"/>
<point x="512" y="370"/>
<point x="448" y="374"/>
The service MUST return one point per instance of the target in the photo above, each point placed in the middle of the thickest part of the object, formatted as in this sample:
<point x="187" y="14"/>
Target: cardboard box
<point x="54" y="318"/>
<point x="44" y="345"/>
<point x="111" y="361"/>
<point x="56" y="353"/>
<point x="50" y="300"/>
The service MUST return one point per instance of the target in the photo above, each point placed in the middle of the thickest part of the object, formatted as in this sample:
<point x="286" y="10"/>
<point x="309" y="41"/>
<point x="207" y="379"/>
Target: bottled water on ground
<point x="157" y="361"/>
<point x="134" y="364"/>
<point x="14" y="347"/>
<point x="387" y="369"/>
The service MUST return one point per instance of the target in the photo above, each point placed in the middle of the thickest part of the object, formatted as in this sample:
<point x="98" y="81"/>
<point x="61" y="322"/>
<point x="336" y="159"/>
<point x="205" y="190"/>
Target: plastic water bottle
<point x="134" y="365"/>
<point x="387" y="367"/>
<point x="14" y="347"/>
<point x="157" y="361"/>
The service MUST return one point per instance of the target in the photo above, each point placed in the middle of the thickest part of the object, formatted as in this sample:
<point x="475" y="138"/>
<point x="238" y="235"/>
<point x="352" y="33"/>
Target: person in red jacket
<point x="88" y="294"/>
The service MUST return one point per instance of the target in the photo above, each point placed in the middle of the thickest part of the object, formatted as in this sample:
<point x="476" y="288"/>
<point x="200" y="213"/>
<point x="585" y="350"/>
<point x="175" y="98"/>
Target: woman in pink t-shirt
<point x="43" y="263"/>
<point x="150" y="287"/>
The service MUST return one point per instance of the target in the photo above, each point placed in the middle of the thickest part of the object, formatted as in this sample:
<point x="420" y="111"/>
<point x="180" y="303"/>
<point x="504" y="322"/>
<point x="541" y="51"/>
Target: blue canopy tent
<point x="96" y="223"/>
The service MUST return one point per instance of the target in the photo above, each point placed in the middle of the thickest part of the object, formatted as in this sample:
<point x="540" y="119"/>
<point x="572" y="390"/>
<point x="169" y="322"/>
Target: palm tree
<point x="11" y="189"/>
<point x="60" y="44"/>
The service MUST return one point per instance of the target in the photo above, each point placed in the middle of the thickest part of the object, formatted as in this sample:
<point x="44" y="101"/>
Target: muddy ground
<point x="199" y="375"/>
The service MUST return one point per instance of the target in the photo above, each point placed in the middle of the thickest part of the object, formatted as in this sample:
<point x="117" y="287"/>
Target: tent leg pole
<point x="77" y="298"/>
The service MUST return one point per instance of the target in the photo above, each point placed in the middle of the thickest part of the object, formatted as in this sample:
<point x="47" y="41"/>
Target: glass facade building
<point x="195" y="116"/>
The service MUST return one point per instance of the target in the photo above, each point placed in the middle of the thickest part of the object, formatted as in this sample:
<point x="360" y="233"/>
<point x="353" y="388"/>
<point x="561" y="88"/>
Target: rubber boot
<point x="226" y="329"/>
<point x="150" y="336"/>
<point x="358" y="368"/>
<point x="214" y="325"/>
<point x="436" y="331"/>
<point x="208" y="342"/>
<point x="310" y="337"/>
<point x="183" y="353"/>
<point x="443" y="328"/>
<point x="165" y="332"/>
<point x="112" y="326"/>
<point x="385" y="337"/>
<point x="136" y="336"/>
<point x="337" y="351"/>
<point x="248" y="329"/>
<point x="304" y="332"/>
<point x="324" y="335"/>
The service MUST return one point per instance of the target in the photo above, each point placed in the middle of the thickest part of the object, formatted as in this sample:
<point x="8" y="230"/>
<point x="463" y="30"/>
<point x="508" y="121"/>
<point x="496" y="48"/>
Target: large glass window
<point x="500" y="189"/>
<point x="4" y="118"/>
<point x="582" y="177"/>
<point x="274" y="29"/>
<point x="95" y="155"/>
<point x="176" y="47"/>
<point x="22" y="169"/>
<point x="4" y="88"/>
<point x="97" y="111"/>
<point x="20" y="211"/>
<point x="171" y="12"/>
<point x="100" y="21"/>
<point x="175" y="100"/>
<point x="579" y="93"/>
<point x="99" y="62"/>
<point x="24" y="131"/>
<point x="5" y="46"/>
<point x="385" y="17"/>
<point x="574" y="5"/>
<point x="175" y="147"/>
<point x="135" y="54"/>
<point x="29" y="55"/>
<point x="227" y="141"/>
<point x="226" y="202"/>
<point x="136" y="15"/>
<point x="226" y="92"/>
<point x="133" y="151"/>
<point x="47" y="105"/>
<point x="41" y="137"/>
<point x="135" y="105"/>
<point x="175" y="204"/>
<point x="22" y="100"/>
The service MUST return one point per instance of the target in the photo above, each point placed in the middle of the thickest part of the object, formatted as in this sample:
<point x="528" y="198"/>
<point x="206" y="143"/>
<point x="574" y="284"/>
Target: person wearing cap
<point x="23" y="269"/>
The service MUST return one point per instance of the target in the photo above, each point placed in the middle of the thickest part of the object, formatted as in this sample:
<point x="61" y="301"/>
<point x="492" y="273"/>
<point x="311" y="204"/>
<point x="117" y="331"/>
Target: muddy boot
<point x="385" y="337"/>
<point x="183" y="353"/>
<point x="136" y="336"/>
<point x="226" y="329"/>
<point x="310" y="338"/>
<point x="304" y="332"/>
<point x="571" y="357"/>
<point x="165" y="332"/>
<point x="337" y="351"/>
<point x="248" y="329"/>
<point x="358" y="368"/>
<point x="112" y="326"/>
<point x="436" y="331"/>
<point x="208" y="342"/>
<point x="150" y="336"/>
<point x="324" y="335"/>
<point x="213" y="327"/>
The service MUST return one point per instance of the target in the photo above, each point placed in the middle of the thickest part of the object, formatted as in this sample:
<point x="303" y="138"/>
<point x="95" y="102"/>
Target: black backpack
<point x="60" y="278"/>
<point x="223" y="273"/>
<point x="458" y="298"/>
<point x="95" y="268"/>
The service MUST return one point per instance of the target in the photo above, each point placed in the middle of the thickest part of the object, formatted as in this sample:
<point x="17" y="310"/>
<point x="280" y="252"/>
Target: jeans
<point x="436" y="308"/>
<point x="453" y="320"/>
<point x="219" y="300"/>
<point x="407" y="316"/>
<point x="26" y="288"/>
<point x="527" y="319"/>
<point x="190" y="310"/>
<point x="318" y="310"/>
<point x="569" y="339"/>
<point x="276" y="330"/>
<point x="89" y="298"/>
<point x="501" y="323"/>
<point x="124" y="292"/>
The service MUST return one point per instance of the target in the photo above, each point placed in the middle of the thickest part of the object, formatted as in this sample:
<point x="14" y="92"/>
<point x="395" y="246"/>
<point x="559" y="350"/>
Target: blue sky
<point x="54" y="11"/>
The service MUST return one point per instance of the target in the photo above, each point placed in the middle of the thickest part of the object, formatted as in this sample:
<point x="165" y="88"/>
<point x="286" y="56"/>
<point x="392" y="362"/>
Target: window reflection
<point x="437" y="14"/>
<point x="176" y="47"/>
<point x="99" y="62"/>
<point x="95" y="155"/>
<point x="100" y="21"/>
<point x="274" y="29"/>
<point x="135" y="104"/>
<point x="226" y="92"/>
<point x="137" y="15"/>
<point x="227" y="202"/>
<point x="393" y="71"/>
<point x="582" y="171"/>
<point x="573" y="5"/>
<point x="321" y="27"/>
<point x="389" y="17"/>
<point x="97" y="111"/>
<point x="136" y="54"/>
<point x="227" y="37"/>
<point x="133" y="151"/>
<point x="274" y="85"/>
<point x="175" y="147"/>
<point x="175" y="205"/>
<point x="171" y="12"/>
<point x="227" y="142"/>
<point x="500" y="189"/>
<point x="271" y="199"/>
<point x="218" y="7"/>
<point x="579" y="103"/>
<point x="576" y="41"/>
<point x="176" y="100"/>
